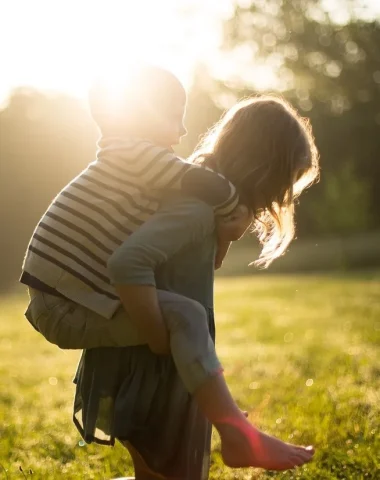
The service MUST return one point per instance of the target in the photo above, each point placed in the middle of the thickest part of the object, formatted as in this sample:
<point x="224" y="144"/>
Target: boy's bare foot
<point x="245" y="446"/>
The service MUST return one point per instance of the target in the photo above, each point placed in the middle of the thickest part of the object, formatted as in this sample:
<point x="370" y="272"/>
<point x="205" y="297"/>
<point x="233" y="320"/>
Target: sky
<point x="64" y="44"/>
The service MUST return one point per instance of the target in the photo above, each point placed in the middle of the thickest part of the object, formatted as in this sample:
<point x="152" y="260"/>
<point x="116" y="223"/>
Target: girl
<point x="268" y="152"/>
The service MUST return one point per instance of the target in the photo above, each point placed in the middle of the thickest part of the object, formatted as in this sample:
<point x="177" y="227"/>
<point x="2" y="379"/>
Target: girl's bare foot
<point x="245" y="446"/>
<point x="242" y="444"/>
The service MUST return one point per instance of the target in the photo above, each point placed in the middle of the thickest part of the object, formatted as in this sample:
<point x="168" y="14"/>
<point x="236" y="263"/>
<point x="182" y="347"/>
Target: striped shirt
<point x="101" y="207"/>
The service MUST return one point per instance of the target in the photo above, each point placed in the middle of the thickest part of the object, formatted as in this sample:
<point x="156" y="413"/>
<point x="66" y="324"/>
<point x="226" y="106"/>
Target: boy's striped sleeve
<point x="158" y="168"/>
<point x="212" y="188"/>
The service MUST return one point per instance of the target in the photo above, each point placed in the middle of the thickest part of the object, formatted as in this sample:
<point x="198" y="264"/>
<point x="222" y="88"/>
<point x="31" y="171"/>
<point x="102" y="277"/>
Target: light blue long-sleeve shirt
<point x="174" y="250"/>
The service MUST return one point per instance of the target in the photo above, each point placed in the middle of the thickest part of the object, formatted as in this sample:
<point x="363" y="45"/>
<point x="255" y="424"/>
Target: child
<point x="65" y="288"/>
<point x="72" y="299"/>
<point x="66" y="262"/>
<point x="111" y="198"/>
<point x="268" y="151"/>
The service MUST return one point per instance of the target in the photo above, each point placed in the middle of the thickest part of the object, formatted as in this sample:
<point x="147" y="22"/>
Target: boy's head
<point x="150" y="104"/>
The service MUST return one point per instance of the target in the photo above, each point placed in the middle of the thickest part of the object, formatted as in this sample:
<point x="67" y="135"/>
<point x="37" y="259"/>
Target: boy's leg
<point x="191" y="345"/>
<point x="71" y="326"/>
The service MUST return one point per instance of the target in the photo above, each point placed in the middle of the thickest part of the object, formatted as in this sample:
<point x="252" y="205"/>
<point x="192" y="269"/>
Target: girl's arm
<point x="132" y="266"/>
<point x="141" y="304"/>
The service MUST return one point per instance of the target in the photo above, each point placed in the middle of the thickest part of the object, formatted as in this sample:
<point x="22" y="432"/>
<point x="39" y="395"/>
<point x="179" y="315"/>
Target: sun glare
<point x="66" y="45"/>
<point x="263" y="77"/>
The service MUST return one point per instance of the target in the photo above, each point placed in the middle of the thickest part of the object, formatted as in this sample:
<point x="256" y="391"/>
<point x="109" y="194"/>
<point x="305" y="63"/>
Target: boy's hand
<point x="235" y="225"/>
<point x="221" y="252"/>
<point x="230" y="229"/>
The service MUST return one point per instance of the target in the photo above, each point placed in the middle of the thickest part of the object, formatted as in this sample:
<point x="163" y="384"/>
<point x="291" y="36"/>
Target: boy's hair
<point x="267" y="150"/>
<point x="142" y="100"/>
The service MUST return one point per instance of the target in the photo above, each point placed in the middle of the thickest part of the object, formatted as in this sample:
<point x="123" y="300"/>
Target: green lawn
<point x="301" y="354"/>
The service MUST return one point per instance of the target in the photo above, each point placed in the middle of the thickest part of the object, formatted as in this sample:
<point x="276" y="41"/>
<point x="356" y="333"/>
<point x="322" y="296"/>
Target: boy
<point x="92" y="216"/>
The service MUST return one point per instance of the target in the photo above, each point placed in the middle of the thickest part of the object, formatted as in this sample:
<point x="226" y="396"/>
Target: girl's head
<point x="267" y="150"/>
<point x="149" y="104"/>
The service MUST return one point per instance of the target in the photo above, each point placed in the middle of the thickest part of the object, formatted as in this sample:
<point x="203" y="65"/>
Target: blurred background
<point x="322" y="55"/>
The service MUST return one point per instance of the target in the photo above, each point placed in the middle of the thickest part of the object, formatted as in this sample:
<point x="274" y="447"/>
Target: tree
<point x="344" y="205"/>
<point x="330" y="70"/>
<point x="45" y="141"/>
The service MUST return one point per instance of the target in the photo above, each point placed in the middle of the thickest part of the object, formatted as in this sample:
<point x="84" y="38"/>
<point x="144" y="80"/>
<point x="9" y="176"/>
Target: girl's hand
<point x="141" y="304"/>
<point x="159" y="343"/>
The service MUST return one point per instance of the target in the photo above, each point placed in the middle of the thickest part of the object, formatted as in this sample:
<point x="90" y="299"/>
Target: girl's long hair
<point x="267" y="150"/>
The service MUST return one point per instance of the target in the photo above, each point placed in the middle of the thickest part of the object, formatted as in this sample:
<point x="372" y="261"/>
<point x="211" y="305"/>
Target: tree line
<point x="330" y="72"/>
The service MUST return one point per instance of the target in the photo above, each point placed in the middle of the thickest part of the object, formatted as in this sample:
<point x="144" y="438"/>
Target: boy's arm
<point x="155" y="167"/>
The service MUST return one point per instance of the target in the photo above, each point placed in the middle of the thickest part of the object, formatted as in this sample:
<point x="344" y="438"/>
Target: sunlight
<point x="240" y="70"/>
<point x="65" y="45"/>
<point x="264" y="77"/>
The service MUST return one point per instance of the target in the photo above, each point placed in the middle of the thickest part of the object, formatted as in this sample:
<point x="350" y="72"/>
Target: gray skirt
<point x="130" y="394"/>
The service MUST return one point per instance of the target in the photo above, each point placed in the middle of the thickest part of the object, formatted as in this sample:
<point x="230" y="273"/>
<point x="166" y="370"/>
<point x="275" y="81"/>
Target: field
<point x="301" y="354"/>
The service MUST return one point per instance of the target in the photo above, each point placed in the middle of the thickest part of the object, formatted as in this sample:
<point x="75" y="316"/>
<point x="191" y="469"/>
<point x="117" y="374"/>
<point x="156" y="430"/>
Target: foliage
<point x="330" y="70"/>
<point x="45" y="142"/>
<point x="344" y="207"/>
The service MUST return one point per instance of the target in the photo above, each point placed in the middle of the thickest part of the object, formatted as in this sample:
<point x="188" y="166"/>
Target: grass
<point x="324" y="254"/>
<point x="300" y="352"/>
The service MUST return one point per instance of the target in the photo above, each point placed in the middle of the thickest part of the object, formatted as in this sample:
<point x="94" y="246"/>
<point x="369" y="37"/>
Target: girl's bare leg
<point x="142" y="471"/>
<point x="242" y="444"/>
